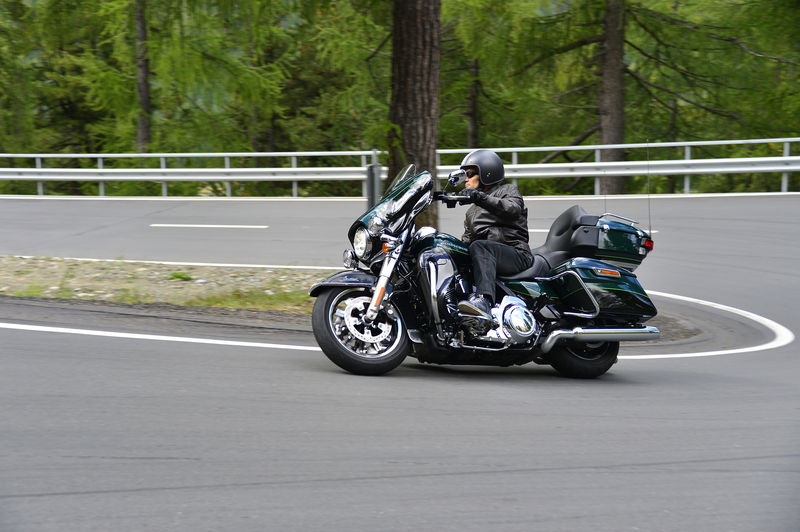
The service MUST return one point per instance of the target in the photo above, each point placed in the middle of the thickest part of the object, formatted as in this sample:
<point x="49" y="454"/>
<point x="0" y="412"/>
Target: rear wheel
<point x="352" y="344"/>
<point x="580" y="360"/>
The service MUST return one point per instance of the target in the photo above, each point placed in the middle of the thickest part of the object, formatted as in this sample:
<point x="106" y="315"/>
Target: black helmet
<point x="489" y="165"/>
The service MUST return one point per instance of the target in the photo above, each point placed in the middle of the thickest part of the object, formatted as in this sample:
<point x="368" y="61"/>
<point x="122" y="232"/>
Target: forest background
<point x="128" y="76"/>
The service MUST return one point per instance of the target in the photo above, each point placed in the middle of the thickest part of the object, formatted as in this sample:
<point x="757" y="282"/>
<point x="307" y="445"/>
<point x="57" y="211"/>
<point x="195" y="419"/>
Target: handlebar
<point x="451" y="200"/>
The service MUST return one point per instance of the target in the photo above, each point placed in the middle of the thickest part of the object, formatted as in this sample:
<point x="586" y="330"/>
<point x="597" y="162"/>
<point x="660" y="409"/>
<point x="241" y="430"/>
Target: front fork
<point x="389" y="263"/>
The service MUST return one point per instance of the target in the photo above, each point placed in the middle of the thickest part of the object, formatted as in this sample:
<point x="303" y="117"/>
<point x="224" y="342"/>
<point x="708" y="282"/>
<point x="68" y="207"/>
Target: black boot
<point x="476" y="305"/>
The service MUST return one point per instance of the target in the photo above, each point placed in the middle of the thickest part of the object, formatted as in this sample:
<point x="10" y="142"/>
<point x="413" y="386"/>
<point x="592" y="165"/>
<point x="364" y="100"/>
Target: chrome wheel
<point x="365" y="348"/>
<point x="369" y="340"/>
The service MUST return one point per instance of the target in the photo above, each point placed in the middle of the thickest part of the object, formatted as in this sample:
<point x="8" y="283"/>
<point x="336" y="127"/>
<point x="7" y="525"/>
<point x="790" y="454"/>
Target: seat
<point x="556" y="247"/>
<point x="539" y="267"/>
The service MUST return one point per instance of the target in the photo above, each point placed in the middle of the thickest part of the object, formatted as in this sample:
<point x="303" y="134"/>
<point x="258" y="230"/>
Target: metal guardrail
<point x="686" y="167"/>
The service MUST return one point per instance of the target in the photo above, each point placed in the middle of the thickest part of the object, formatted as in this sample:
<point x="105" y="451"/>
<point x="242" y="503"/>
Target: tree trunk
<point x="143" y="125"/>
<point x="611" y="99"/>
<point x="473" y="112"/>
<point x="414" y="110"/>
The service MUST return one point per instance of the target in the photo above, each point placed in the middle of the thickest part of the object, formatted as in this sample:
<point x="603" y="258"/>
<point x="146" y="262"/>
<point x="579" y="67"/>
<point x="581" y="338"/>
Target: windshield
<point x="407" y="195"/>
<point x="399" y="178"/>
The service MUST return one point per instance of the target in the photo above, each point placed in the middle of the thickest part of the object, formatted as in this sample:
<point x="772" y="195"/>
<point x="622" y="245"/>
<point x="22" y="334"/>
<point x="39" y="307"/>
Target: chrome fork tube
<point x="389" y="264"/>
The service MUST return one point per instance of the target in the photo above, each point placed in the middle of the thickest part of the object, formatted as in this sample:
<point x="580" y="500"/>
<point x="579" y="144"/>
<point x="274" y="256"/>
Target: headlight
<point x="361" y="242"/>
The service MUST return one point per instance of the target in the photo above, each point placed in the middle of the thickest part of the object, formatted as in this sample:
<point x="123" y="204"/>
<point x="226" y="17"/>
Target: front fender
<point x="355" y="278"/>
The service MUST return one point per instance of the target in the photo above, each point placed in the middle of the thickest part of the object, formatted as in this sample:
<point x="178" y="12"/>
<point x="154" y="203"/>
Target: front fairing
<point x="405" y="198"/>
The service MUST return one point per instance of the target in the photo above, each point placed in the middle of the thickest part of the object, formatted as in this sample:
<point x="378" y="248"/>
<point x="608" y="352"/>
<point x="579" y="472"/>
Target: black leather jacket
<point x="500" y="216"/>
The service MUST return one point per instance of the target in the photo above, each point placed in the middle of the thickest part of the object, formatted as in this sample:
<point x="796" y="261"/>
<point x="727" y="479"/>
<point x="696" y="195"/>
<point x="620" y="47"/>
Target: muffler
<point x="579" y="334"/>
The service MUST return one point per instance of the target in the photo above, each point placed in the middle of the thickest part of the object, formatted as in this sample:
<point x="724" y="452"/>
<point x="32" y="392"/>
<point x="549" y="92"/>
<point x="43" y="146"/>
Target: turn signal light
<point x="606" y="273"/>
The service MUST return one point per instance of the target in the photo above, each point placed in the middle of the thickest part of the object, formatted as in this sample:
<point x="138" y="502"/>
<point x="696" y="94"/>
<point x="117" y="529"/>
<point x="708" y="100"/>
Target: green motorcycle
<point x="399" y="294"/>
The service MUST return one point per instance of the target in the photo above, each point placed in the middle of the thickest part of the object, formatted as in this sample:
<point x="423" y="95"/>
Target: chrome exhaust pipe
<point x="579" y="334"/>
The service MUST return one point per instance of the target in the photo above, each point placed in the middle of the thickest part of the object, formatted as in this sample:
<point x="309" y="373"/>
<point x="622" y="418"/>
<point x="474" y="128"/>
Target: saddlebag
<point x="589" y="286"/>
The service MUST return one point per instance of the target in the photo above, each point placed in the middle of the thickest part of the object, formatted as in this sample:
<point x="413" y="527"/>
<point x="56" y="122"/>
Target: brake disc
<point x="354" y="320"/>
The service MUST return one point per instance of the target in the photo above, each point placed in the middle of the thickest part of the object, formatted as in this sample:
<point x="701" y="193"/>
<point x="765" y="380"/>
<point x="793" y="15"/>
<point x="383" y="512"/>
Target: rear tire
<point x="579" y="360"/>
<point x="337" y="321"/>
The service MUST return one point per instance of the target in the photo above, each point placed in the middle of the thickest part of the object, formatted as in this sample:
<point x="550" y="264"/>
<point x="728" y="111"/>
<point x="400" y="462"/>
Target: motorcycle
<point x="398" y="296"/>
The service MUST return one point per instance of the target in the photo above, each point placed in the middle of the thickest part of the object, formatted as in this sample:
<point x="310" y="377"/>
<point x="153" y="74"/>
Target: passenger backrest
<point x="558" y="238"/>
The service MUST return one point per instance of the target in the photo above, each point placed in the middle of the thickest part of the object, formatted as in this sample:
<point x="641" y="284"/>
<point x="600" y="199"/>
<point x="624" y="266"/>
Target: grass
<point x="297" y="302"/>
<point x="180" y="276"/>
<point x="32" y="290"/>
<point x="63" y="291"/>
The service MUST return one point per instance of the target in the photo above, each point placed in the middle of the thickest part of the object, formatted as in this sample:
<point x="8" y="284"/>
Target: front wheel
<point x="583" y="360"/>
<point x="352" y="344"/>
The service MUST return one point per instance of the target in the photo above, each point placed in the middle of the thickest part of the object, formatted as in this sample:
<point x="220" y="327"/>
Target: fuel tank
<point x="428" y="237"/>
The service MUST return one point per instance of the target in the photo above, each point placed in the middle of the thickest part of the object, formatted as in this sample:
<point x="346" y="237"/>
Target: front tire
<point x="338" y="325"/>
<point x="579" y="360"/>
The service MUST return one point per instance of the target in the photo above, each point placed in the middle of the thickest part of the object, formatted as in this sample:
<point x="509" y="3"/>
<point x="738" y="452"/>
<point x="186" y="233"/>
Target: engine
<point x="513" y="324"/>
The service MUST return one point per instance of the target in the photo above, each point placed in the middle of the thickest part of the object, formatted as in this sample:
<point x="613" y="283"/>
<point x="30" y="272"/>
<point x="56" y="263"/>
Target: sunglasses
<point x="472" y="173"/>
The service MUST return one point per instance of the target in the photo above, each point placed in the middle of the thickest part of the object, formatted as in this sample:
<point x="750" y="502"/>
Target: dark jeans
<point x="490" y="258"/>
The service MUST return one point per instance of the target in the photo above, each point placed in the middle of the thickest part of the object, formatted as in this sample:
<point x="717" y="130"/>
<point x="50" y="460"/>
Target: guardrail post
<point x="687" y="180"/>
<point x="101" y="184"/>
<point x="228" y="183"/>
<point x="785" y="176"/>
<point x="294" y="183"/>
<point x="597" y="158"/>
<point x="378" y="184"/>
<point x="373" y="184"/>
<point x="164" y="184"/>
<point x="39" y="184"/>
<point x="515" y="160"/>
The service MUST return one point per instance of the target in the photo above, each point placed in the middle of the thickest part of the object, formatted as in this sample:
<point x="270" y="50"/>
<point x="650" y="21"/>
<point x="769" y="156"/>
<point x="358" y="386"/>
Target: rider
<point x="495" y="227"/>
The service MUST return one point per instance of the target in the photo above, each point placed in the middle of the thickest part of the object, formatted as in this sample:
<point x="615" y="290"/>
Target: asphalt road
<point x="134" y="433"/>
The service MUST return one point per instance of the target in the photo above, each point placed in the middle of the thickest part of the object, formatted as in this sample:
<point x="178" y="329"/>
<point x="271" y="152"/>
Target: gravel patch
<point x="137" y="282"/>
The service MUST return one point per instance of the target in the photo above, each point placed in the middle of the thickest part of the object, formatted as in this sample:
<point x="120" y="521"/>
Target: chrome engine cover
<point x="515" y="324"/>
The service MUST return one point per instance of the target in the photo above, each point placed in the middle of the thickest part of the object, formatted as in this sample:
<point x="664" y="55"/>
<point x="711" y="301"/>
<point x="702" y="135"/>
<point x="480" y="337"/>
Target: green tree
<point x="562" y="72"/>
<point x="17" y="103"/>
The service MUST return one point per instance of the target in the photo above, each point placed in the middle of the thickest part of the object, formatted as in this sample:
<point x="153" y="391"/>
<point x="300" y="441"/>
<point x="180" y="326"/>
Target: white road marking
<point x="212" y="226"/>
<point x="156" y="337"/>
<point x="783" y="336"/>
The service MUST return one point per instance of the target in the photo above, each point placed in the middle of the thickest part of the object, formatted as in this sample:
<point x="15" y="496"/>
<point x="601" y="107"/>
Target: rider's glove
<point x="475" y="195"/>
